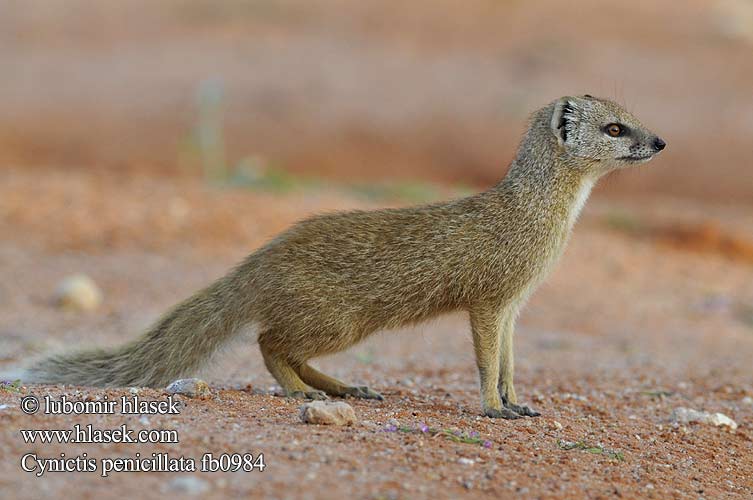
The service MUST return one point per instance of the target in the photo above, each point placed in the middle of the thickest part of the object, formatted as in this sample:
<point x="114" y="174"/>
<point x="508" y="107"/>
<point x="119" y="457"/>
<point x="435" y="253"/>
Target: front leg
<point x="485" y="325"/>
<point x="505" y="384"/>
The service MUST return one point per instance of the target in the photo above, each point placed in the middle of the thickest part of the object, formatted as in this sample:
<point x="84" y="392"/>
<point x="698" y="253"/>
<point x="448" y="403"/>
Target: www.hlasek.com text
<point x="89" y="434"/>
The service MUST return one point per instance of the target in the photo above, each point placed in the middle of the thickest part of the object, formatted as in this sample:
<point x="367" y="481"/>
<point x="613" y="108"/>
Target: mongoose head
<point x="600" y="130"/>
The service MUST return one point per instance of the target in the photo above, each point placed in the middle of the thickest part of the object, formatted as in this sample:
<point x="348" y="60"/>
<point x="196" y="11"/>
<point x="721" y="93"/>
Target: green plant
<point x="596" y="450"/>
<point x="10" y="386"/>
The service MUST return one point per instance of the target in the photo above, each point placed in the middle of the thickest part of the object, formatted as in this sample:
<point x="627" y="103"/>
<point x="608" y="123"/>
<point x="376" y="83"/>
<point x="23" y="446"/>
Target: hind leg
<point x="332" y="386"/>
<point x="286" y="376"/>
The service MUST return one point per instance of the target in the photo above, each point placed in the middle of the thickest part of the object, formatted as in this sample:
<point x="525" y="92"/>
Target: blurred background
<point x="367" y="90"/>
<point x="147" y="146"/>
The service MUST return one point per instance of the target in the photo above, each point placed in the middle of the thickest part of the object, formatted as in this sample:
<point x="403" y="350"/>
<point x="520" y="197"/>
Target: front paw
<point x="503" y="412"/>
<point x="523" y="410"/>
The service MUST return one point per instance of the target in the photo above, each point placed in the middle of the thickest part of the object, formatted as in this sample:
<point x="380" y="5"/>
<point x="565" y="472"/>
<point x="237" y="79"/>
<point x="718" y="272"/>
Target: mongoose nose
<point x="659" y="144"/>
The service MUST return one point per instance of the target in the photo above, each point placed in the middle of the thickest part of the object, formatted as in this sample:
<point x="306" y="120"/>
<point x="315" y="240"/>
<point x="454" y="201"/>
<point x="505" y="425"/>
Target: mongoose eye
<point x="614" y="130"/>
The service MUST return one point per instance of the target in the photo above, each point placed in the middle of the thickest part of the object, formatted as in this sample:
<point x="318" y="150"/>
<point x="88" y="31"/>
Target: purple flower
<point x="473" y="434"/>
<point x="423" y="427"/>
<point x="390" y="428"/>
<point x="487" y="444"/>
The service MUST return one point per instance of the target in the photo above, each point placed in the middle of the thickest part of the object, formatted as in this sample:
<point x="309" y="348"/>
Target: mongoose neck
<point x="545" y="181"/>
<point x="540" y="161"/>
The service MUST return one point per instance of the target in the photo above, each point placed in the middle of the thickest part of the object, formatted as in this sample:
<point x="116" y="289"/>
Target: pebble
<point x="576" y="397"/>
<point x="369" y="424"/>
<point x="747" y="400"/>
<point x="191" y="387"/>
<point x="78" y="293"/>
<point x="688" y="415"/>
<point x="557" y="425"/>
<point x="465" y="461"/>
<point x="328" y="413"/>
<point x="190" y="485"/>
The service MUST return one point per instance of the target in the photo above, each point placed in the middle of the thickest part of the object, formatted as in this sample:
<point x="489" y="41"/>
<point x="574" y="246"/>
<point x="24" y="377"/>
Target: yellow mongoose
<point x="330" y="281"/>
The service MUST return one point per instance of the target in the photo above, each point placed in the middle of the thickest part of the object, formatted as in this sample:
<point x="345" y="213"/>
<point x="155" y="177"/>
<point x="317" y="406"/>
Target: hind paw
<point x="363" y="392"/>
<point x="307" y="395"/>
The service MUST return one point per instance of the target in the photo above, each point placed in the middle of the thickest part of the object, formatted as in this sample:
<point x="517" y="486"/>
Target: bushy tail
<point x="175" y="347"/>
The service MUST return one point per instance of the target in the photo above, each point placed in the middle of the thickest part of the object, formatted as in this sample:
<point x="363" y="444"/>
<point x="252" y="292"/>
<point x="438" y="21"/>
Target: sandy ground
<point x="627" y="329"/>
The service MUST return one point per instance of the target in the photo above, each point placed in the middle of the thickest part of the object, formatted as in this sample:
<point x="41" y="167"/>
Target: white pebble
<point x="688" y="415"/>
<point x="190" y="485"/>
<point x="191" y="387"/>
<point x="78" y="293"/>
<point x="328" y="413"/>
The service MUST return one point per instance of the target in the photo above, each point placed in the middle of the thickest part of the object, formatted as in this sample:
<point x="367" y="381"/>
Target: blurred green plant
<point x="624" y="222"/>
<point x="209" y="134"/>
<point x="252" y="172"/>
<point x="596" y="450"/>
<point x="658" y="394"/>
<point x="366" y="356"/>
<point x="406" y="190"/>
<point x="745" y="314"/>
<point x="206" y="148"/>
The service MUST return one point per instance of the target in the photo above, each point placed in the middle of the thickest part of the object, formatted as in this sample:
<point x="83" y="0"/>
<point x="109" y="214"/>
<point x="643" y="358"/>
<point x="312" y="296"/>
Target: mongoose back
<point x="330" y="281"/>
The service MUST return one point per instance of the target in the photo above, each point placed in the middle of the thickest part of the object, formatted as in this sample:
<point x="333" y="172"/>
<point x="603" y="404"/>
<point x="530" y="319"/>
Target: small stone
<point x="465" y="461"/>
<point x="688" y="415"/>
<point x="722" y="419"/>
<point x="328" y="413"/>
<point x="78" y="293"/>
<point x="191" y="387"/>
<point x="134" y="390"/>
<point x="557" y="425"/>
<point x="2" y="407"/>
<point x="190" y="485"/>
<point x="747" y="400"/>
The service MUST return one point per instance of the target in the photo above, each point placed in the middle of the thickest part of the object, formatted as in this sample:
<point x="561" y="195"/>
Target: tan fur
<point x="332" y="280"/>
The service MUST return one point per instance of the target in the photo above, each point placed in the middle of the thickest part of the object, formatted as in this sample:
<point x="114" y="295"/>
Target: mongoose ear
<point x="563" y="119"/>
